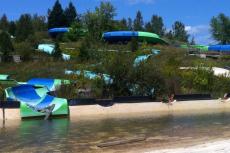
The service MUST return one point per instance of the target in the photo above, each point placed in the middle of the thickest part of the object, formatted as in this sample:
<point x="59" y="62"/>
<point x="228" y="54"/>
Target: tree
<point x="12" y="28"/>
<point x="220" y="28"/>
<point x="56" y="17"/>
<point x="39" y="23"/>
<point x="123" y="24"/>
<point x="84" y="54"/>
<point x="169" y="35"/>
<point x="4" y="24"/>
<point x="157" y="25"/>
<point x="138" y="22"/>
<point x="93" y="25"/>
<point x="6" y="46"/>
<point x="101" y="20"/>
<point x="75" y="31"/>
<point x="70" y="14"/>
<point x="130" y="24"/>
<point x="192" y="42"/>
<point x="57" y="53"/>
<point x="179" y="32"/>
<point x="105" y="13"/>
<point x="148" y="27"/>
<point x="24" y="27"/>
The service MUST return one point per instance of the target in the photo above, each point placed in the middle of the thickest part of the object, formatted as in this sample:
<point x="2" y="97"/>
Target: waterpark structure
<point x="35" y="98"/>
<point x="126" y="36"/>
<point x="49" y="49"/>
<point x="53" y="32"/>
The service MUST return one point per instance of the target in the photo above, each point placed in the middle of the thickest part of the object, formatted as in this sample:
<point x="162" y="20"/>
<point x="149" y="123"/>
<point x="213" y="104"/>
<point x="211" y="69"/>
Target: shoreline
<point x="215" y="146"/>
<point x="155" y="109"/>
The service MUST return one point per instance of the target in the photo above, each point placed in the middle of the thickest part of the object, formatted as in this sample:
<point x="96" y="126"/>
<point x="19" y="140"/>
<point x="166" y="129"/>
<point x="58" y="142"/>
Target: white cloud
<point x="197" y="29"/>
<point x="201" y="33"/>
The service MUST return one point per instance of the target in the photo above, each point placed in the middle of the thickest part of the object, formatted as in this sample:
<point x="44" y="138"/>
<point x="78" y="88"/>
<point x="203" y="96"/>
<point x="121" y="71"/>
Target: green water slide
<point x="150" y="38"/>
<point x="203" y="48"/>
<point x="35" y="99"/>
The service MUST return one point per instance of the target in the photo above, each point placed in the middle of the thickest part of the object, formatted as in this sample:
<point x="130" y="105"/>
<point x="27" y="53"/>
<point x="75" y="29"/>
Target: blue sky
<point x="195" y="14"/>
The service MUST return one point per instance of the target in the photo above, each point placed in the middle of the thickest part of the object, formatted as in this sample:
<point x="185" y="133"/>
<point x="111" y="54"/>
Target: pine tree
<point x="56" y="17"/>
<point x="70" y="14"/>
<point x="130" y="24"/>
<point x="12" y="28"/>
<point x="24" y="27"/>
<point x="4" y="24"/>
<point x="39" y="22"/>
<point x="123" y="24"/>
<point x="157" y="25"/>
<point x="179" y="32"/>
<point x="148" y="27"/>
<point x="6" y="46"/>
<point x="138" y="22"/>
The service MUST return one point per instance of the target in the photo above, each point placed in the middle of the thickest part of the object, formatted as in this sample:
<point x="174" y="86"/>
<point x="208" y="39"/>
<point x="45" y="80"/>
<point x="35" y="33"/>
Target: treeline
<point x="102" y="19"/>
<point x="95" y="22"/>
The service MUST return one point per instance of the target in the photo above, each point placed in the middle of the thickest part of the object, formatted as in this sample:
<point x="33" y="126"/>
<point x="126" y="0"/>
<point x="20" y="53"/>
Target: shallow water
<point x="64" y="135"/>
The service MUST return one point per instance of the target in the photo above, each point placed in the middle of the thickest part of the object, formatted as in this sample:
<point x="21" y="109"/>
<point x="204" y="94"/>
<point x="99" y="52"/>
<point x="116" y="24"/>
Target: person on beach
<point x="171" y="99"/>
<point x="226" y="98"/>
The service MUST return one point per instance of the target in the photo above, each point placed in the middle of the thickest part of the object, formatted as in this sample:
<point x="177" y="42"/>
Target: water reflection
<point x="64" y="135"/>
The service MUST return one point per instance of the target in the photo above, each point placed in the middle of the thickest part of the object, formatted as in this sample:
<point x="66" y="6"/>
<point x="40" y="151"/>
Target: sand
<point x="212" y="147"/>
<point x="138" y="109"/>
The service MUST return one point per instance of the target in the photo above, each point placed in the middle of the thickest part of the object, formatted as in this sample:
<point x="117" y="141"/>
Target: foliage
<point x="200" y="80"/>
<point x="133" y="44"/>
<point x="4" y="23"/>
<point x="56" y="17"/>
<point x="24" y="28"/>
<point x="75" y="32"/>
<point x="149" y="79"/>
<point x="220" y="28"/>
<point x="85" y="50"/>
<point x="6" y="46"/>
<point x="156" y="25"/>
<point x="123" y="25"/>
<point x="39" y="23"/>
<point x="179" y="32"/>
<point x="100" y="20"/>
<point x="25" y="50"/>
<point x="57" y="53"/>
<point x="138" y="22"/>
<point x="130" y="24"/>
<point x="12" y="28"/>
<point x="70" y="14"/>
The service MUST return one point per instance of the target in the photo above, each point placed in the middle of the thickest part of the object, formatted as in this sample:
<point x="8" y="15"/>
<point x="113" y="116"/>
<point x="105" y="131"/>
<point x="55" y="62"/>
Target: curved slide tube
<point x="49" y="48"/>
<point x="91" y="75"/>
<point x="34" y="98"/>
<point x="125" y="36"/>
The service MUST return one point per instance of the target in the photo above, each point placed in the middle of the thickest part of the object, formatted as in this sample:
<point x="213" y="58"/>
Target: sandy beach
<point x="212" y="147"/>
<point x="137" y="109"/>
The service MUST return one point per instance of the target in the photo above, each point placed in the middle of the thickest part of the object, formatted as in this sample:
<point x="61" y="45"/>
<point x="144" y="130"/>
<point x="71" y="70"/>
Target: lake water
<point x="65" y="135"/>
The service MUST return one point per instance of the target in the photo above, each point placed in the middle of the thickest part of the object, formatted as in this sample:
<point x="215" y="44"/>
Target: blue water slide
<point x="25" y="93"/>
<point x="117" y="36"/>
<point x="58" y="30"/>
<point x="49" y="83"/>
<point x="45" y="102"/>
<point x="219" y="48"/>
